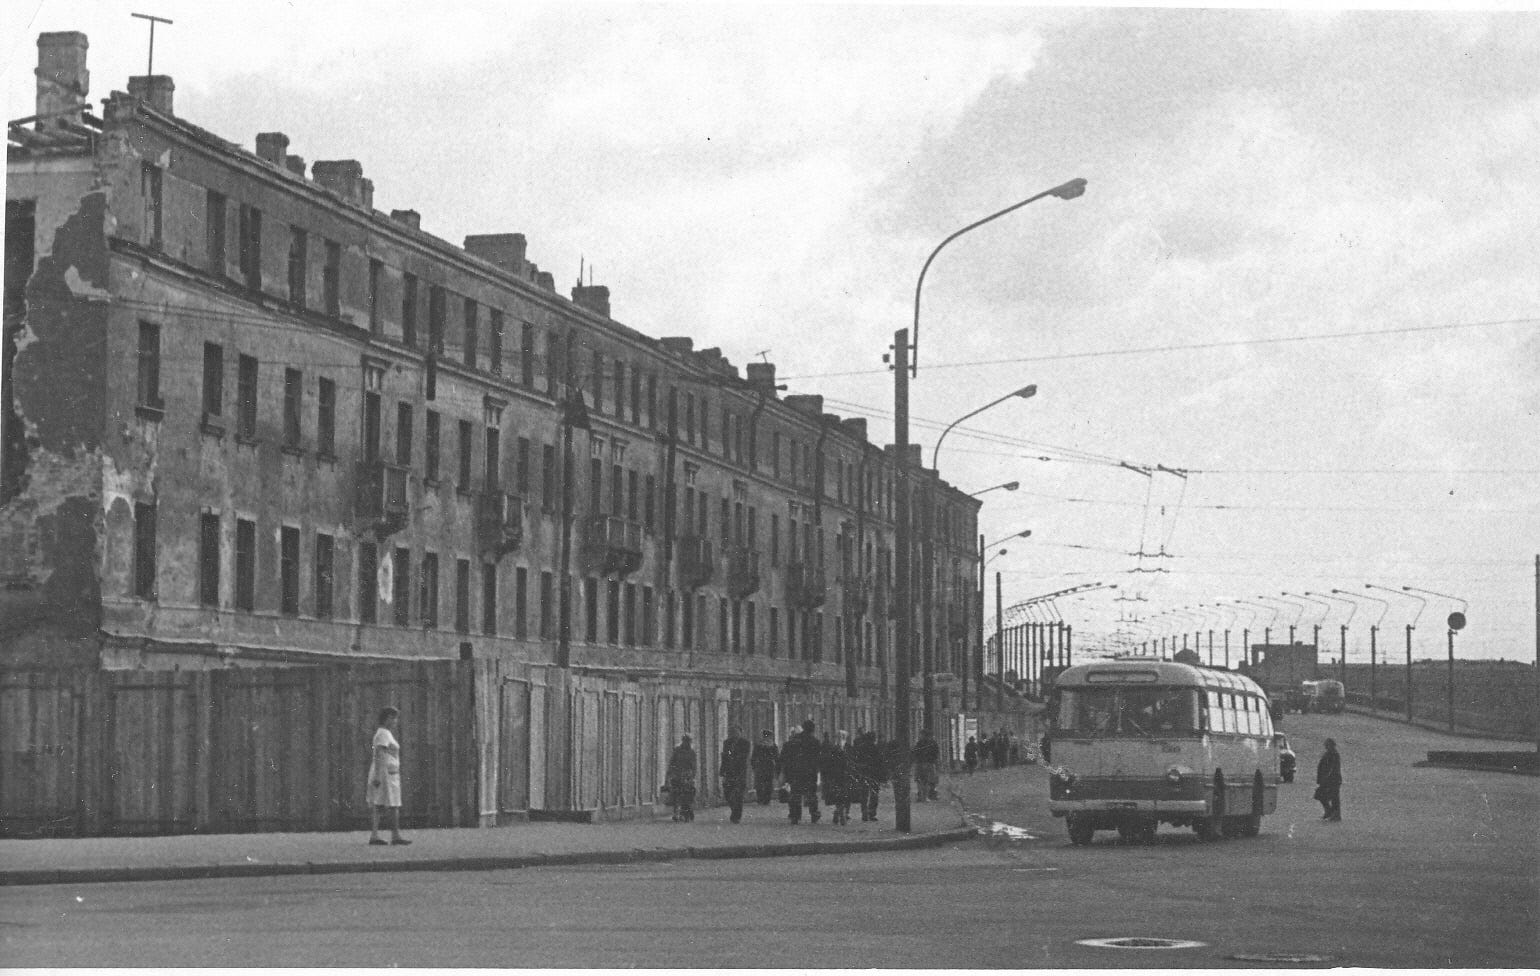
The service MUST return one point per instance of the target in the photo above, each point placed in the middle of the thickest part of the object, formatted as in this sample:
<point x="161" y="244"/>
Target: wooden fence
<point x="264" y="749"/>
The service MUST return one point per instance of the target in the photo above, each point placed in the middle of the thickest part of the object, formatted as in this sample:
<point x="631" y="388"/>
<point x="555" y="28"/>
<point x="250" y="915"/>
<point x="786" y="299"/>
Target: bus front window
<point x="1128" y="710"/>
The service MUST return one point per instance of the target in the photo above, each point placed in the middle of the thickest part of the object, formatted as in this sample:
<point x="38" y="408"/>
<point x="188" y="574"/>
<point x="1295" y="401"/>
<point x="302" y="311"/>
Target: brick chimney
<point x="154" y="91"/>
<point x="810" y="404"/>
<point x="62" y="79"/>
<point x="855" y="427"/>
<point x="761" y="377"/>
<point x="344" y="177"/>
<point x="273" y="147"/>
<point x="505" y="251"/>
<point x="295" y="164"/>
<point x="410" y="218"/>
<point x="679" y="345"/>
<point x="595" y="298"/>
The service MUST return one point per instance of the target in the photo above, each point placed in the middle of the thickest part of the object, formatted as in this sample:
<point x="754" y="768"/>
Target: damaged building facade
<point x="249" y="420"/>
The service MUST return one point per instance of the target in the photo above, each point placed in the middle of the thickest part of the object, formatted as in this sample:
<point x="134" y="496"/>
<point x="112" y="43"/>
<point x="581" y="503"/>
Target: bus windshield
<point x="1125" y="710"/>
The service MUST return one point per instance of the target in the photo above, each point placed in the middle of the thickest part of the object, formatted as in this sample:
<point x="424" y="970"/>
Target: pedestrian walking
<point x="1328" y="782"/>
<point x="834" y="770"/>
<point x="870" y="772"/>
<point x="766" y="762"/>
<point x="734" y="770"/>
<point x="925" y="755"/>
<point x="971" y="755"/>
<point x="680" y="780"/>
<point x="384" y="792"/>
<point x="799" y="760"/>
<point x="997" y="747"/>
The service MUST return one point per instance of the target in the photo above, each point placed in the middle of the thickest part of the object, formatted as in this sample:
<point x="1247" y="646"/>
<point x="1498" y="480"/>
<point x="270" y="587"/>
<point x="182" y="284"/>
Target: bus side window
<point x="1252" y="725"/>
<point x="1230" y="722"/>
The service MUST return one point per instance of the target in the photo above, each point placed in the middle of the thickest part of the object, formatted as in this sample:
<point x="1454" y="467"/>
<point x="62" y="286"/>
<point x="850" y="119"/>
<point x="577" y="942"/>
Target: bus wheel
<point x="1145" y="832"/>
<point x="1251" y="826"/>
<point x="1207" y="828"/>
<point x="1080" y="830"/>
<point x="1127" y="832"/>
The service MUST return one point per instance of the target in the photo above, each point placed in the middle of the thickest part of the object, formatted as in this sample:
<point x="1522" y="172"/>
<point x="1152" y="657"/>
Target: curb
<point x="477" y="862"/>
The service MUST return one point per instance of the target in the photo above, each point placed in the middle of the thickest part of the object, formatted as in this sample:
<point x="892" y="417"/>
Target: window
<point x="775" y="632"/>
<point x="636" y="396"/>
<point x="547" y="606"/>
<point x="591" y="610"/>
<point x="368" y="571"/>
<point x="749" y="625"/>
<point x="208" y="559"/>
<point x="596" y="381"/>
<point x="149" y="366"/>
<point x="649" y="618"/>
<point x="489" y="599"/>
<point x="376" y="272"/>
<point x="521" y="467"/>
<point x="775" y="453"/>
<point x="495" y="343"/>
<point x="791" y="634"/>
<point x="288" y="570"/>
<point x="527" y="354"/>
<point x="722" y="631"/>
<point x="493" y="459"/>
<point x="649" y="505"/>
<point x="552" y="357"/>
<point x="628" y="616"/>
<point x="213" y="380"/>
<point x="293" y="401"/>
<point x="668" y="619"/>
<point x="298" y="257"/>
<point x="472" y="314"/>
<point x="404" y="434"/>
<point x="427" y="597"/>
<point x="324" y="580"/>
<point x="150" y="180"/>
<point x="689" y="418"/>
<point x="409" y="309"/>
<point x="326" y="418"/>
<point x="652" y="401"/>
<point x="462" y="596"/>
<point x="700" y="619"/>
<point x="521" y="602"/>
<point x="612" y="613"/>
<point x="775" y="540"/>
<point x="620" y="390"/>
<point x="245" y="564"/>
<point x="246" y="398"/>
<point x="705" y="424"/>
<point x="331" y="280"/>
<point x="547" y="478"/>
<point x="430" y="446"/>
<point x="631" y="496"/>
<point x="463" y="482"/>
<point x="214" y="231"/>
<point x="401" y="586"/>
<point x="436" y="313"/>
<point x="251" y="246"/>
<point x="144" y="550"/>
<point x="737" y="616"/>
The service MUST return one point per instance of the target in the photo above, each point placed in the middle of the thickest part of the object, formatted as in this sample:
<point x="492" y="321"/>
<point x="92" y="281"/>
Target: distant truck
<point x="1324" y="696"/>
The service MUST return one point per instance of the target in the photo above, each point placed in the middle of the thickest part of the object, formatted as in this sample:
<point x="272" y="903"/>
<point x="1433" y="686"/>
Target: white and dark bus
<point x="1140" y="742"/>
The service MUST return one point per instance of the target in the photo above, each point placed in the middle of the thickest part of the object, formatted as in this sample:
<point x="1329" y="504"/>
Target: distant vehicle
<point x="1322" y="696"/>
<point x="1287" y="761"/>
<point x="1141" y="742"/>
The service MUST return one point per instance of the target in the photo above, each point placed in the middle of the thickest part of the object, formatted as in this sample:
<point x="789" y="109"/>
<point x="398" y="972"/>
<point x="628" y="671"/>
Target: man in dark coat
<point x="799" y="759"/>
<point x="834" y="768"/>
<point x="870" y="772"/>
<point x="735" y="771"/>
<point x="971" y="754"/>
<point x="926" y="754"/>
<point x="1328" y="782"/>
<point x="766" y="762"/>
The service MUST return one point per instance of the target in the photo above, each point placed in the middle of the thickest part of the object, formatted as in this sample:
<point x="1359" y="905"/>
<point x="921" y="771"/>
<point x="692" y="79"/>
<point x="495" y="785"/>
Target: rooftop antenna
<point x="764" y="355"/>
<point x="150" y="70"/>
<point x="580" y="270"/>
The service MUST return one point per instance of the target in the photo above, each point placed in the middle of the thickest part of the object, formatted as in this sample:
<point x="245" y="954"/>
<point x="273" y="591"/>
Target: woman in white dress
<point x="385" y="780"/>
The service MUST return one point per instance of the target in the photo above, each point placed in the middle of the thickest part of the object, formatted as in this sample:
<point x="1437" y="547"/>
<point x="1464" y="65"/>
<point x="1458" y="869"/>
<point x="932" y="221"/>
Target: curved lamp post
<point x="1006" y="485"/>
<point x="1374" y="631"/>
<point x="1422" y="603"/>
<point x="1342" y="633"/>
<point x="1455" y="622"/>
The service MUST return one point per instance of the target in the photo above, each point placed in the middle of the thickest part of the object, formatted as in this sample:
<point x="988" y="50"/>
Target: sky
<point x="1288" y="341"/>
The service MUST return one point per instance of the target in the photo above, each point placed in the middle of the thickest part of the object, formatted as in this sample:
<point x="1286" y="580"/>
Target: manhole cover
<point x="1141" y="942"/>
<point x="1295" y="958"/>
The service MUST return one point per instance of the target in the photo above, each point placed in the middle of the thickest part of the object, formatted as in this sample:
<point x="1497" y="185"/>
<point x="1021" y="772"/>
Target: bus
<point x="1137" y="742"/>
<point x="1322" y="696"/>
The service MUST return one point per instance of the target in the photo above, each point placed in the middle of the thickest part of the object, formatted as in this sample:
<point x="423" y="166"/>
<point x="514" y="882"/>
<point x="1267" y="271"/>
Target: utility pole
<point x="901" y="545"/>
<point x="1537" y="651"/>
<point x="999" y="646"/>
<point x="1408" y="672"/>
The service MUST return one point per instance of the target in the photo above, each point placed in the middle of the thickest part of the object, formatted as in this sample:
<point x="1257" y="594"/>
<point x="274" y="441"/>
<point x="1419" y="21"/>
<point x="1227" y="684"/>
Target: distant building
<point x="248" y="418"/>
<point x="1280" y="666"/>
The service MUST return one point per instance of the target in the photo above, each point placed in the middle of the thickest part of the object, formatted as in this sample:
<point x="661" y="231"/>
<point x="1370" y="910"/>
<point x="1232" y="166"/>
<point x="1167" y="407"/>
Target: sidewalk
<point x="764" y="832"/>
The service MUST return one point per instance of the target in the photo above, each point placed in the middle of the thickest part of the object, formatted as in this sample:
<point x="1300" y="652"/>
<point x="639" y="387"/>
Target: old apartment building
<point x="249" y="419"/>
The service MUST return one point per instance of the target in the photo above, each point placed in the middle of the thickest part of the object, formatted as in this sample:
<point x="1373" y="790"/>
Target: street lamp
<point x="1023" y="534"/>
<point x="1342" y="654"/>
<point x="1374" y="630"/>
<point x="903" y="368"/>
<point x="1267" y="630"/>
<point x="1422" y="603"/>
<point x="1316" y="635"/>
<point x="1026" y="393"/>
<point x="1456" y="621"/>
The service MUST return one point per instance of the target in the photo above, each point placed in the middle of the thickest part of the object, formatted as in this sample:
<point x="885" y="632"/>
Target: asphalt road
<point x="1430" y="868"/>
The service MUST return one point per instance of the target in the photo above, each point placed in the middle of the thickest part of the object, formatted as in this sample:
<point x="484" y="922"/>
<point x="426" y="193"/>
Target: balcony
<point x="742" y="572"/>
<point x="499" y="522"/>
<point x="696" y="561"/>
<point x="381" y="499"/>
<point x="611" y="545"/>
<point x="806" y="588"/>
<point x="854" y="595"/>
